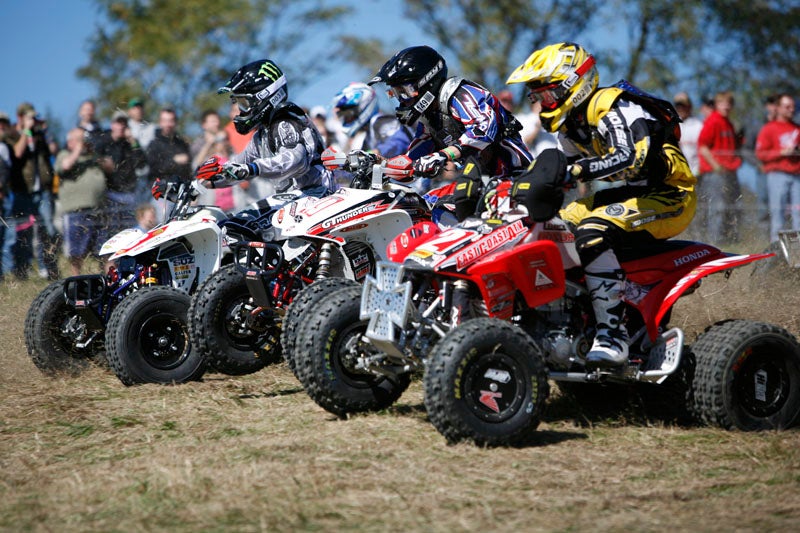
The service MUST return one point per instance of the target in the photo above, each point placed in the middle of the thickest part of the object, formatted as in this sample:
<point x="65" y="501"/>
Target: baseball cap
<point x="4" y="117"/>
<point x="133" y="102"/>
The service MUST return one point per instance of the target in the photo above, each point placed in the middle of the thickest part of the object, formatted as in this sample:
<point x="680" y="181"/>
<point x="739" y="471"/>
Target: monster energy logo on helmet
<point x="270" y="70"/>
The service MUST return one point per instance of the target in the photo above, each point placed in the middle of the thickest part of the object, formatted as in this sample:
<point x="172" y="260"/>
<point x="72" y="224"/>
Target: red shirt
<point x="774" y="137"/>
<point x="719" y="136"/>
<point x="237" y="140"/>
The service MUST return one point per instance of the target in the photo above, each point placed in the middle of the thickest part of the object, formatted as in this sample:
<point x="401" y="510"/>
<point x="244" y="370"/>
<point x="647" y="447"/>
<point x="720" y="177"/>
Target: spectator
<point x="213" y="142"/>
<point x="719" y="191"/>
<point x="80" y="195"/>
<point x="32" y="191"/>
<point x="142" y="131"/>
<point x="506" y="99"/>
<point x="690" y="130"/>
<point x="534" y="137"/>
<point x="762" y="189"/>
<point x="87" y="121"/>
<point x="205" y="144"/>
<point x="168" y="154"/>
<point x="6" y="167"/>
<point x="120" y="157"/>
<point x="145" y="217"/>
<point x="778" y="148"/>
<point x="237" y="140"/>
<point x="319" y="117"/>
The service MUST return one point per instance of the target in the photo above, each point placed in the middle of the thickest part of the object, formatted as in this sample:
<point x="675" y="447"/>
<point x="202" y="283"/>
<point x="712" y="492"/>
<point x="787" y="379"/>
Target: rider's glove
<point x="572" y="176"/>
<point x="430" y="164"/>
<point x="159" y="188"/>
<point x="210" y="168"/>
<point x="240" y="171"/>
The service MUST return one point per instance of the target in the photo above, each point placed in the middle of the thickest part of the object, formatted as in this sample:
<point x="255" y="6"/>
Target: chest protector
<point x="664" y="162"/>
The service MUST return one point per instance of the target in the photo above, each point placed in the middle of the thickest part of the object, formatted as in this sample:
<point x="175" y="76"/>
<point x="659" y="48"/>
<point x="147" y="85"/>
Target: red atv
<point x="494" y="307"/>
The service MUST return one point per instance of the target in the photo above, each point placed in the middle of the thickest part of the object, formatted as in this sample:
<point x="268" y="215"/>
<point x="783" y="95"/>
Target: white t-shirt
<point x="543" y="140"/>
<point x="690" y="132"/>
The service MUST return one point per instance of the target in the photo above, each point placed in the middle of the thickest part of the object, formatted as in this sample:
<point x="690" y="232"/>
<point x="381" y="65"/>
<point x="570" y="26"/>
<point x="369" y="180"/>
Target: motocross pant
<point x="627" y="216"/>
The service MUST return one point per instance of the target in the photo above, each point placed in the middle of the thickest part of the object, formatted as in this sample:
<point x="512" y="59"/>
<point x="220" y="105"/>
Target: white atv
<point x="135" y="314"/>
<point x="239" y="317"/>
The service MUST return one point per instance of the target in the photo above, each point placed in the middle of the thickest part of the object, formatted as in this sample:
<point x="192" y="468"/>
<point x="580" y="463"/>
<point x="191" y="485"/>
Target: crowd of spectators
<point x="67" y="199"/>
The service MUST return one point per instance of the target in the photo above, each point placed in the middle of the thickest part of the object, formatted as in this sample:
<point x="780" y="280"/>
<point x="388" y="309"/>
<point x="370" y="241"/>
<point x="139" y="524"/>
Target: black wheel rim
<point x="494" y="387"/>
<point x="164" y="341"/>
<point x="761" y="380"/>
<point x="345" y="350"/>
<point x="68" y="330"/>
<point x="238" y="334"/>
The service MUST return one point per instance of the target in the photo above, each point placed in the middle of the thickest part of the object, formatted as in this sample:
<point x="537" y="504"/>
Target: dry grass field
<point x="255" y="454"/>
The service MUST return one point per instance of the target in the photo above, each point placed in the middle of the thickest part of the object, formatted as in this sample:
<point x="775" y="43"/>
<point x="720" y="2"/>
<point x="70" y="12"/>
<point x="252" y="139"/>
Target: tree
<point x="486" y="39"/>
<point x="177" y="53"/>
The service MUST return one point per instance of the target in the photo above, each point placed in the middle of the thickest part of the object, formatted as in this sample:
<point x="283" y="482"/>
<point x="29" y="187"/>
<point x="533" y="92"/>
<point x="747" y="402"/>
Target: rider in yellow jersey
<point x="613" y="133"/>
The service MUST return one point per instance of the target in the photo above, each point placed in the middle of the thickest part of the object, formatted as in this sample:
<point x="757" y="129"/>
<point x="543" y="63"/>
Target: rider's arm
<point x="624" y="130"/>
<point x="290" y="160"/>
<point x="421" y="144"/>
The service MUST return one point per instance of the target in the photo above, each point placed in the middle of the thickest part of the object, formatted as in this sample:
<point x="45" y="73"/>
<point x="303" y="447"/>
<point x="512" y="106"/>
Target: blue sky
<point x="46" y="41"/>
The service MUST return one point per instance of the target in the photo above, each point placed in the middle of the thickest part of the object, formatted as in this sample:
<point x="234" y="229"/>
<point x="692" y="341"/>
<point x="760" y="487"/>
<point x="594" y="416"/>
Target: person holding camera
<point x="32" y="192"/>
<point x="778" y="149"/>
<point x="81" y="192"/>
<point x="123" y="161"/>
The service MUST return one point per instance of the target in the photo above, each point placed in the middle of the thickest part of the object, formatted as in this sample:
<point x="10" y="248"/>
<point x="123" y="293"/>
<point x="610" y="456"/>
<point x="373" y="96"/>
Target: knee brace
<point x="593" y="237"/>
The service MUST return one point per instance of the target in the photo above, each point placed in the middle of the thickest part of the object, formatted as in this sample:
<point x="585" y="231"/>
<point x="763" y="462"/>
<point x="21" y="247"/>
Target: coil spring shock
<point x="324" y="266"/>
<point x="460" y="302"/>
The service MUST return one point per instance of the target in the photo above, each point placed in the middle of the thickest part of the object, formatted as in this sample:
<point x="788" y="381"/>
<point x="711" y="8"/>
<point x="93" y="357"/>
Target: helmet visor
<point x="245" y="102"/>
<point x="405" y="92"/>
<point x="549" y="95"/>
<point x="347" y="115"/>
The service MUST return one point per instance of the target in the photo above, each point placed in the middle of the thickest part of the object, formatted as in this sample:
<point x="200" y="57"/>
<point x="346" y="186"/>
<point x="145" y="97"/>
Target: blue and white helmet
<point x="355" y="105"/>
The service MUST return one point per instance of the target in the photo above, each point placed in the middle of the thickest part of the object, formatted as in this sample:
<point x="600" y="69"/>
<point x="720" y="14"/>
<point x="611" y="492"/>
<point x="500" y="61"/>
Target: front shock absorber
<point x="324" y="266"/>
<point x="149" y="275"/>
<point x="460" y="302"/>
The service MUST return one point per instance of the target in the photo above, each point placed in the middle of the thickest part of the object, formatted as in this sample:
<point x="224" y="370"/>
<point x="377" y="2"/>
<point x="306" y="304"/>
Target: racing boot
<point x="610" y="347"/>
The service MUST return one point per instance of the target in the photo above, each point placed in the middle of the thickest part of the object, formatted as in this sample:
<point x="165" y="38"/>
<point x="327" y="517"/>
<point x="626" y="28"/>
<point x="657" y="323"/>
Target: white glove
<point x="430" y="164"/>
<point x="239" y="170"/>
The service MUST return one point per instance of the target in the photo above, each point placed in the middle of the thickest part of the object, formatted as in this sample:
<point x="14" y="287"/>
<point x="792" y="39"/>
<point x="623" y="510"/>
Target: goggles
<point x="244" y="102"/>
<point x="553" y="94"/>
<point x="404" y="93"/>
<point x="549" y="95"/>
<point x="347" y="115"/>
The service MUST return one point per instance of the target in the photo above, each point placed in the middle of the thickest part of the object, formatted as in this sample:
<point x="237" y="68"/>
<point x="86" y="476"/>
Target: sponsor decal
<point x="615" y="210"/>
<point x="279" y="216"/>
<point x="542" y="280"/>
<point x="489" y="243"/>
<point x="353" y="213"/>
<point x="501" y="376"/>
<point x="422" y="254"/>
<point x="688" y="258"/>
<point x="489" y="399"/>
<point x="403" y="240"/>
<point x="557" y="236"/>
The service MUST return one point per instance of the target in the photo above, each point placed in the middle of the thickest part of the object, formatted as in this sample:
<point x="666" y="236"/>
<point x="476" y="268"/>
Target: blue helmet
<point x="355" y="105"/>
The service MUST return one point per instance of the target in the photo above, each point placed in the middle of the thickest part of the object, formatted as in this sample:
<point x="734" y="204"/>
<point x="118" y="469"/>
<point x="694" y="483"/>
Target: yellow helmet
<point x="560" y="76"/>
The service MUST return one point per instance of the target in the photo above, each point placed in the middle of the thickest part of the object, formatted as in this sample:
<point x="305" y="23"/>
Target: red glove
<point x="210" y="168"/>
<point x="159" y="188"/>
